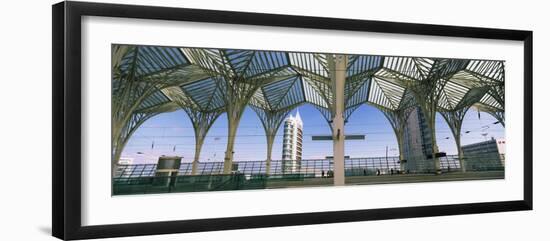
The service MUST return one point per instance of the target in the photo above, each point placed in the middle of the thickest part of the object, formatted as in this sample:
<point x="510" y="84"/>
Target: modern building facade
<point x="292" y="143"/>
<point x="484" y="147"/>
<point x="417" y="144"/>
<point x="485" y="155"/>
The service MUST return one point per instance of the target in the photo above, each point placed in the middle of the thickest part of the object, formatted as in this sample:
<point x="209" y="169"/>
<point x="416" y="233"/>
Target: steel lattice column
<point x="454" y="119"/>
<point x="201" y="121"/>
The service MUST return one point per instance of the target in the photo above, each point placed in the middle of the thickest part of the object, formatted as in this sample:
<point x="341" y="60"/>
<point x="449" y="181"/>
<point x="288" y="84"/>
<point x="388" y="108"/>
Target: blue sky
<point x="165" y="132"/>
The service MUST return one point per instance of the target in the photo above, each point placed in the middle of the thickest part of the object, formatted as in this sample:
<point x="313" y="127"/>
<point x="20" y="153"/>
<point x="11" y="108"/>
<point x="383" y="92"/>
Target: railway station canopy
<point x="207" y="79"/>
<point x="149" y="80"/>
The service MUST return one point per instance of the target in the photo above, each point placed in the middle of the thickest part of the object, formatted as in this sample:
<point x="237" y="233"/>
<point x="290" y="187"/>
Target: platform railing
<point x="324" y="167"/>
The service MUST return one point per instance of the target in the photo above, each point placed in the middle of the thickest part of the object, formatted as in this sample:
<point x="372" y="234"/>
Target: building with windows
<point x="485" y="155"/>
<point x="417" y="144"/>
<point x="292" y="143"/>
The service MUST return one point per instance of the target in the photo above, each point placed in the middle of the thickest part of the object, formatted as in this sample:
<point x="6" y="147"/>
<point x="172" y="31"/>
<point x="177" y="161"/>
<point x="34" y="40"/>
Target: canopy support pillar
<point x="338" y="66"/>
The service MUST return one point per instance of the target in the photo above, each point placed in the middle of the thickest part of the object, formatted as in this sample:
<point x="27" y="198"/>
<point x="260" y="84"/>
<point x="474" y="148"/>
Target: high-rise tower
<point x="292" y="143"/>
<point x="417" y="143"/>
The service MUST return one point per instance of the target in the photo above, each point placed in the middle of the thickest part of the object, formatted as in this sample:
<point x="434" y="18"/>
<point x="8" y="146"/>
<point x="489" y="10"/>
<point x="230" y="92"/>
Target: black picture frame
<point x="66" y="47"/>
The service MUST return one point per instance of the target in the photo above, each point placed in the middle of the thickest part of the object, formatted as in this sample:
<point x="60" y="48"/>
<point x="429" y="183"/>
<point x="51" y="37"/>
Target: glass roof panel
<point x="312" y="95"/>
<point x="445" y="68"/>
<point x="156" y="99"/>
<point x="210" y="59"/>
<point x="313" y="63"/>
<point x="293" y="96"/>
<point x="488" y="68"/>
<point x="265" y="61"/>
<point x="452" y="95"/>
<point x="378" y="97"/>
<point x="488" y="100"/>
<point x="416" y="68"/>
<point x="239" y="59"/>
<point x="359" y="95"/>
<point x="144" y="60"/>
<point x="205" y="93"/>
<point x="363" y="63"/>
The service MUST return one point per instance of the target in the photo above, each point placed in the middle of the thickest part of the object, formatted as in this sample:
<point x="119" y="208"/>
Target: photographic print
<point x="283" y="119"/>
<point x="188" y="119"/>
